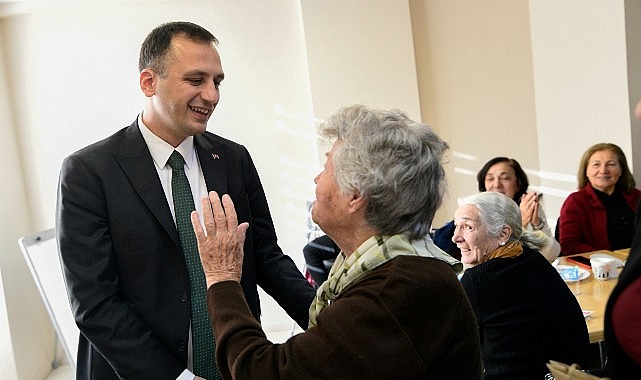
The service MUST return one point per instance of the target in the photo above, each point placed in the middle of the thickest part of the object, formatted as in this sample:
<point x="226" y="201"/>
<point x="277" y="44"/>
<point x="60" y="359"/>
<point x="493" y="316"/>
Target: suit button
<point x="184" y="297"/>
<point x="182" y="346"/>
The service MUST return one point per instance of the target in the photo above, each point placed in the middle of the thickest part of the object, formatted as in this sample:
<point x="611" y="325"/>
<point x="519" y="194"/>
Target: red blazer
<point x="583" y="221"/>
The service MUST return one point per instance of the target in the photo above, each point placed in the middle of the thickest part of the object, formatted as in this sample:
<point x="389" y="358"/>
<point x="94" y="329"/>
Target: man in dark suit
<point x="124" y="267"/>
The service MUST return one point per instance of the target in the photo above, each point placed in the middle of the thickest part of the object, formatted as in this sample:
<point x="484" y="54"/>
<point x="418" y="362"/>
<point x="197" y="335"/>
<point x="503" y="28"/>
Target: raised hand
<point x="220" y="243"/>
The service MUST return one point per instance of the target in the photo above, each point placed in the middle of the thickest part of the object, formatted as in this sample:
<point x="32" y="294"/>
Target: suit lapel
<point x="135" y="160"/>
<point x="212" y="162"/>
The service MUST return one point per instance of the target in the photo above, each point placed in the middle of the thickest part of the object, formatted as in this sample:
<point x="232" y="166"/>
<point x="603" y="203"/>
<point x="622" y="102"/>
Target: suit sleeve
<point x="90" y="270"/>
<point x="276" y="272"/>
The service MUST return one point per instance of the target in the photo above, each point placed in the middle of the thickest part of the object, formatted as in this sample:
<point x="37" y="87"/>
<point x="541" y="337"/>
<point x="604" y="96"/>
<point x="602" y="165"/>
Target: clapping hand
<point x="529" y="209"/>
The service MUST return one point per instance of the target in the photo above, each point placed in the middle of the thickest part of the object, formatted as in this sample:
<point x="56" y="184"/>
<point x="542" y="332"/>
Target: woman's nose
<point x="457" y="236"/>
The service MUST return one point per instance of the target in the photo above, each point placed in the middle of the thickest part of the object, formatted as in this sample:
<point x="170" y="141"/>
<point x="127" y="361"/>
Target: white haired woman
<point x="526" y="313"/>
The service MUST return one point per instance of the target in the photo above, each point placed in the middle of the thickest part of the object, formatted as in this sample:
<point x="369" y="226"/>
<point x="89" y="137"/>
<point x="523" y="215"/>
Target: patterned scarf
<point x="513" y="249"/>
<point x="373" y="253"/>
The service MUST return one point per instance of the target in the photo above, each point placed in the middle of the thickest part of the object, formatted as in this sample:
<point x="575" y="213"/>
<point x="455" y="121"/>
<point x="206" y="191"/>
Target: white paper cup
<point x="604" y="268"/>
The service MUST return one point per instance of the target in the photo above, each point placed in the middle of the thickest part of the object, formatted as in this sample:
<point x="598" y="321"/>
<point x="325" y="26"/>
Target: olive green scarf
<point x="373" y="253"/>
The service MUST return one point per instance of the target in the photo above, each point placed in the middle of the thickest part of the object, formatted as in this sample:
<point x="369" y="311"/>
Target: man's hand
<point x="221" y="243"/>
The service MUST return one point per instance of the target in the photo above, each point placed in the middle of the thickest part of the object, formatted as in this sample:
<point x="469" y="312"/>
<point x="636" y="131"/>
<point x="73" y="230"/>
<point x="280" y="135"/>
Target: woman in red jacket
<point x="600" y="215"/>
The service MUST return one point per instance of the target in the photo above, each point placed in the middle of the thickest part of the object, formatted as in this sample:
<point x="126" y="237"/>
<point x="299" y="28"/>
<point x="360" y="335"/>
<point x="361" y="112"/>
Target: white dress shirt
<point x="160" y="151"/>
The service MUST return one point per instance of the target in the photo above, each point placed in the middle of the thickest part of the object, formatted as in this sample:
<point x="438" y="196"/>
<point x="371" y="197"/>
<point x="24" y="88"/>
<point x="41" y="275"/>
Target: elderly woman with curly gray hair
<point x="392" y="307"/>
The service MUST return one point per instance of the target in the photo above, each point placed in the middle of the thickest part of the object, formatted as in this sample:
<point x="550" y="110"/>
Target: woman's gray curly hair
<point x="393" y="162"/>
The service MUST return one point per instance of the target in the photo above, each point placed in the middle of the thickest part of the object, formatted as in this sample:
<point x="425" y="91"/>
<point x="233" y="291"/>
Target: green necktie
<point x="202" y="336"/>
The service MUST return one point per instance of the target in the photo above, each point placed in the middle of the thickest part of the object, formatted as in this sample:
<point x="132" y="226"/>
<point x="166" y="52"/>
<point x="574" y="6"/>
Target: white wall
<point x="361" y="51"/>
<point x="7" y="360"/>
<point x="30" y="335"/>
<point x="633" y="45"/>
<point x="475" y="76"/>
<point x="581" y="86"/>
<point x="365" y="55"/>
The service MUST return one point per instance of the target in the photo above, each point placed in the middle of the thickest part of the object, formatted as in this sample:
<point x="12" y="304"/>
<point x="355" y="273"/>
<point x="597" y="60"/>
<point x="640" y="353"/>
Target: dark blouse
<point x="527" y="316"/>
<point x="320" y="254"/>
<point x="620" y="219"/>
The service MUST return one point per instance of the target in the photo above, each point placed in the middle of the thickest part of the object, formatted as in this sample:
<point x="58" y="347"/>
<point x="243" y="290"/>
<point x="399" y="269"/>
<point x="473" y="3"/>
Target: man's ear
<point x="148" y="82"/>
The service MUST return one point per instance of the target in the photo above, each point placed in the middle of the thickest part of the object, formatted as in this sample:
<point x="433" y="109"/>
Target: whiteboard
<point x="41" y="253"/>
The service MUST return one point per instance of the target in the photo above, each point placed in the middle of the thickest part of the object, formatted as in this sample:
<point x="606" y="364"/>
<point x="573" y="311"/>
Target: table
<point x="593" y="294"/>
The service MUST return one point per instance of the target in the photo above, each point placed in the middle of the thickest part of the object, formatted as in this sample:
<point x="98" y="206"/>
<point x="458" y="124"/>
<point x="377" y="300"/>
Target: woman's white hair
<point x="497" y="210"/>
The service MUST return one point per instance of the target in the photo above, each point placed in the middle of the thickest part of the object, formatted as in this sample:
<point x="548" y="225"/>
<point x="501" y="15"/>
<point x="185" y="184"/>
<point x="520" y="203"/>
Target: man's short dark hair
<point x="156" y="46"/>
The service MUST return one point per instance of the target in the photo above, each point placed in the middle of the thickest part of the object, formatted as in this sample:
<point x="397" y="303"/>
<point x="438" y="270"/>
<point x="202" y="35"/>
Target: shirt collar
<point x="160" y="150"/>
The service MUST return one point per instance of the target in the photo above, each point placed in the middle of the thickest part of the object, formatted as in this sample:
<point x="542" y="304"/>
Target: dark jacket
<point x="527" y="316"/>
<point x="407" y="319"/>
<point x="125" y="273"/>
<point x="442" y="237"/>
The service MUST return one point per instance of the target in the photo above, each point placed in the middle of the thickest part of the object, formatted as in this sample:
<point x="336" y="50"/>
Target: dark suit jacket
<point x="126" y="276"/>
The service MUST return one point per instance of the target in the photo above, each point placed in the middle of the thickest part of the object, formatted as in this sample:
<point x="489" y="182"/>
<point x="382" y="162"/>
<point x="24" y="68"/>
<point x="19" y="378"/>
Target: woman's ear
<point x="357" y="202"/>
<point x="506" y="232"/>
